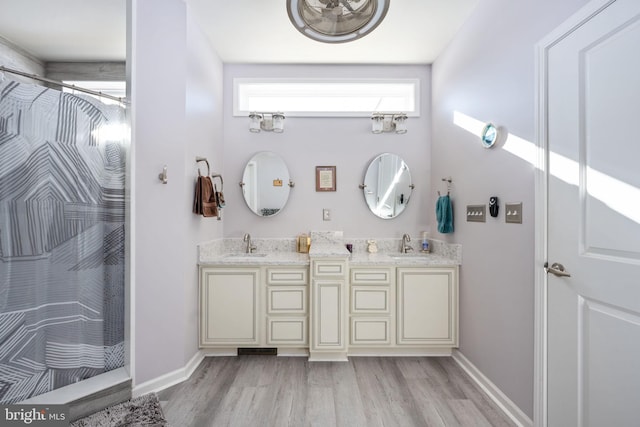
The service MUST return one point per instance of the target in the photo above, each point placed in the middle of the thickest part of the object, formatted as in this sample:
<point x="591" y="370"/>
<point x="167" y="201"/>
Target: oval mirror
<point x="387" y="186"/>
<point x="265" y="184"/>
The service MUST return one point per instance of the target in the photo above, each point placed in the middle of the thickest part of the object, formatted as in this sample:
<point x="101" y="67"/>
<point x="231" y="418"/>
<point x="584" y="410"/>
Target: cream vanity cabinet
<point x="371" y="306"/>
<point x="427" y="306"/>
<point x="330" y="307"/>
<point x="254" y="306"/>
<point x="229" y="299"/>
<point x="328" y="312"/>
<point x="287" y="312"/>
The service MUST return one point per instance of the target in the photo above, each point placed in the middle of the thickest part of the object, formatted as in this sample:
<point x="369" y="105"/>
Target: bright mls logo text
<point x="30" y="414"/>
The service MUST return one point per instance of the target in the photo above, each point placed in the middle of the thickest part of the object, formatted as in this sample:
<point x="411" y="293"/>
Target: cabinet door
<point x="328" y="315"/>
<point x="427" y="306"/>
<point x="229" y="304"/>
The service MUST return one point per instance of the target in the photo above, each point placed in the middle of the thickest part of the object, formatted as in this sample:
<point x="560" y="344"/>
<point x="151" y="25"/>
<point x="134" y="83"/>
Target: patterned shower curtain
<point x="62" y="218"/>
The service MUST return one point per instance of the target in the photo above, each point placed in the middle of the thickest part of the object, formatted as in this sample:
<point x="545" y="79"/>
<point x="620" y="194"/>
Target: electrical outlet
<point x="476" y="213"/>
<point x="326" y="214"/>
<point x="513" y="213"/>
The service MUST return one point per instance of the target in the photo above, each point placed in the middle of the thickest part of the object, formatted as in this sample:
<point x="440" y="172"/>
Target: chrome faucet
<point x="250" y="247"/>
<point x="405" y="247"/>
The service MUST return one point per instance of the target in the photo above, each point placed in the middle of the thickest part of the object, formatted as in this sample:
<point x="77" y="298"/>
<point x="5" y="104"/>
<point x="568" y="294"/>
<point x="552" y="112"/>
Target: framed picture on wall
<point x="325" y="178"/>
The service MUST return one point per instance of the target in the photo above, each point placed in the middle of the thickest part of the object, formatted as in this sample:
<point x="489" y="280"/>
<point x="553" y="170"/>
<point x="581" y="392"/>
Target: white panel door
<point x="592" y="113"/>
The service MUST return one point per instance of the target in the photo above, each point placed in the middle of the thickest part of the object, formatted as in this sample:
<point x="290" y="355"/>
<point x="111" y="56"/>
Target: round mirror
<point x="265" y="184"/>
<point x="387" y="186"/>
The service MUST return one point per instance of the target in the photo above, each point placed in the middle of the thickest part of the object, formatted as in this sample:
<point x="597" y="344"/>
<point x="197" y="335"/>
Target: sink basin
<point x="245" y="255"/>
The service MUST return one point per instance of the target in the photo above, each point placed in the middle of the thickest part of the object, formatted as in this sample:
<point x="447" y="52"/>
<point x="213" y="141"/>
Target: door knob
<point x="556" y="269"/>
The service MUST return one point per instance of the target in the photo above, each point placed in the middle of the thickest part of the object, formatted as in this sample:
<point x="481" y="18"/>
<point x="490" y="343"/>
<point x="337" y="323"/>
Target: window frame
<point x="238" y="112"/>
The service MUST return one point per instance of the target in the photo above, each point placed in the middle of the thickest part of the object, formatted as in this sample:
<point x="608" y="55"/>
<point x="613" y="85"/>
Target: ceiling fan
<point x="336" y="21"/>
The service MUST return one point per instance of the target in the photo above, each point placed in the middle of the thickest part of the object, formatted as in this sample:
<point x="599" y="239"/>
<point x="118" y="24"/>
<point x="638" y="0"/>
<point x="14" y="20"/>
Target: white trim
<point x="130" y="184"/>
<point x="81" y="389"/>
<point x="172" y="378"/>
<point x="220" y="352"/>
<point x="540" y="251"/>
<point x="364" y="351"/>
<point x="574" y="22"/>
<point x="499" y="398"/>
<point x="293" y="352"/>
<point x="540" y="395"/>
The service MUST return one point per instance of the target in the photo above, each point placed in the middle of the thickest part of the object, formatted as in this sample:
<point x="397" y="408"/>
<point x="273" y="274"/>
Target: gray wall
<point x="487" y="73"/>
<point x="346" y="143"/>
<point x="176" y="110"/>
<point x="91" y="71"/>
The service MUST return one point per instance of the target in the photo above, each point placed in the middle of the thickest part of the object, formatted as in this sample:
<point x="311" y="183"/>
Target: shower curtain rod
<point x="58" y="83"/>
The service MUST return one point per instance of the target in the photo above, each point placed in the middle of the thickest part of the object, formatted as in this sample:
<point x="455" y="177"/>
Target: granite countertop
<point x="257" y="258"/>
<point x="282" y="252"/>
<point x="398" y="259"/>
<point x="356" y="259"/>
<point x="328" y="250"/>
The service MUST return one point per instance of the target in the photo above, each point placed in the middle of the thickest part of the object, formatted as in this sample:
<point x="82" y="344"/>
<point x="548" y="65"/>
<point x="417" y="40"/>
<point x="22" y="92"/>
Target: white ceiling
<point x="241" y="31"/>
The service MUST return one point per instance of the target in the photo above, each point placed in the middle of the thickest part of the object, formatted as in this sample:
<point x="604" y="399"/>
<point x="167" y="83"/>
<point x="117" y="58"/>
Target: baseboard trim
<point x="169" y="379"/>
<point x="293" y="352"/>
<point x="398" y="352"/>
<point x="508" y="407"/>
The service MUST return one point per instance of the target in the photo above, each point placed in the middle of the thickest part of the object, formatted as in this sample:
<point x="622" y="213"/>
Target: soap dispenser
<point x="425" y="242"/>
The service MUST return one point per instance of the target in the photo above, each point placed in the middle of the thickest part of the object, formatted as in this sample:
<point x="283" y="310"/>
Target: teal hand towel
<point x="444" y="214"/>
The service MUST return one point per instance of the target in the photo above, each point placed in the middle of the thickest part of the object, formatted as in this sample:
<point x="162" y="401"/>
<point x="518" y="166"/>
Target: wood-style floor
<point x="366" y="391"/>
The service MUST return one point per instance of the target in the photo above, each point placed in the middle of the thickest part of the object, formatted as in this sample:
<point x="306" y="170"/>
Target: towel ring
<point x="217" y="175"/>
<point x="448" y="180"/>
<point x="203" y="159"/>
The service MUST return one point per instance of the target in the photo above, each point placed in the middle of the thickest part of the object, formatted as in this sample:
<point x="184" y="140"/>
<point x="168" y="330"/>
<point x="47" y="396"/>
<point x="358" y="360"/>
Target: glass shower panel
<point x="62" y="238"/>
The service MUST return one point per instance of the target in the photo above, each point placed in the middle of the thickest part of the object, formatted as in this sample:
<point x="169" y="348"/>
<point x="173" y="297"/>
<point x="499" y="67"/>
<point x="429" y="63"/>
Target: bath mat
<point x="140" y="411"/>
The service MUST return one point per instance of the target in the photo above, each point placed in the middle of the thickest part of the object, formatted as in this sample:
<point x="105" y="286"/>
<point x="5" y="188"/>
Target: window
<point x="326" y="97"/>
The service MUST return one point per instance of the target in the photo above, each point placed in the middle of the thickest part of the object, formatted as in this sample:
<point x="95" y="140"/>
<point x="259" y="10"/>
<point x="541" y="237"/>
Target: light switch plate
<point x="476" y="213"/>
<point x="513" y="213"/>
<point x="326" y="214"/>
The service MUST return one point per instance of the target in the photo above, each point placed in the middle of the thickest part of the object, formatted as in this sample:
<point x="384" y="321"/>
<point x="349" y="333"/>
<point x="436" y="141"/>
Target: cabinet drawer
<point x="370" y="330"/>
<point x="289" y="299"/>
<point x="329" y="268"/>
<point x="371" y="276"/>
<point x="281" y="276"/>
<point x="369" y="299"/>
<point x="287" y="331"/>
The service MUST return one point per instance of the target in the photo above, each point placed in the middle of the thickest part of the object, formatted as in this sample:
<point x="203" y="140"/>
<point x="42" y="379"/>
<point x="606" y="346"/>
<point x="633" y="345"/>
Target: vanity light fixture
<point x="270" y="122"/>
<point x="396" y="122"/>
<point x="336" y="21"/>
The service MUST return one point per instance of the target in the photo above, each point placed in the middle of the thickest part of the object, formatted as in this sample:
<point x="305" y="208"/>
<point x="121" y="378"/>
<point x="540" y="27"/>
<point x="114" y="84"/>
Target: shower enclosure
<point x="62" y="238"/>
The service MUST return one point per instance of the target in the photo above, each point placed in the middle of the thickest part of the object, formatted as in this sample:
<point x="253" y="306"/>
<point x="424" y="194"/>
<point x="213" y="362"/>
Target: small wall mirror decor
<point x="489" y="135"/>
<point x="266" y="184"/>
<point x="387" y="186"/>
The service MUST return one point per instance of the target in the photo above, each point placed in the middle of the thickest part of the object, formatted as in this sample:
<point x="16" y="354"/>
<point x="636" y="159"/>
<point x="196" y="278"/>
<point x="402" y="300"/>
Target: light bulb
<point x="254" y="122"/>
